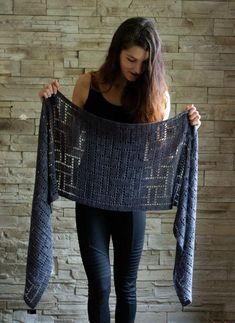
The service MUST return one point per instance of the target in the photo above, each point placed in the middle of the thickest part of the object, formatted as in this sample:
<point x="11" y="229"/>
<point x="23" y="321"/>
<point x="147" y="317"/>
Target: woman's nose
<point x="138" y="70"/>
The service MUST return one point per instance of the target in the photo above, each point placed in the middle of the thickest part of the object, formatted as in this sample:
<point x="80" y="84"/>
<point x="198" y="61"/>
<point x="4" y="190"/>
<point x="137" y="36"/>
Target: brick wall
<point x="41" y="40"/>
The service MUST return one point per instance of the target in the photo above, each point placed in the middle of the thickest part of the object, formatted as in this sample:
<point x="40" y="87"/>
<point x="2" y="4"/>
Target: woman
<point x="129" y="87"/>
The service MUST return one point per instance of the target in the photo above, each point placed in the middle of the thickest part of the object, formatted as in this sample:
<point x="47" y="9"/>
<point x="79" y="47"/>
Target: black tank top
<point x="97" y="104"/>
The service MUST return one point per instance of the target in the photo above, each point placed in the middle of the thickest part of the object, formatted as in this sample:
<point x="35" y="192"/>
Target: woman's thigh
<point x="93" y="230"/>
<point x="128" y="232"/>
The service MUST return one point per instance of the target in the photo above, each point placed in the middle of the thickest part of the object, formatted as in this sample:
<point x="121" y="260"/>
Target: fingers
<point x="194" y="116"/>
<point x="49" y="89"/>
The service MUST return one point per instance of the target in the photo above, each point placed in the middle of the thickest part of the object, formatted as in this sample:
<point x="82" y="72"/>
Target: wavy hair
<point x="145" y="98"/>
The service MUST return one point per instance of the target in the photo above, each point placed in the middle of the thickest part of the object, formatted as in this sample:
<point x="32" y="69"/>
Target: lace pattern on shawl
<point x="116" y="166"/>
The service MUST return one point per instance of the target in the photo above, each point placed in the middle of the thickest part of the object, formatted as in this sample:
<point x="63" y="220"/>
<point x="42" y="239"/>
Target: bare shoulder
<point x="81" y="89"/>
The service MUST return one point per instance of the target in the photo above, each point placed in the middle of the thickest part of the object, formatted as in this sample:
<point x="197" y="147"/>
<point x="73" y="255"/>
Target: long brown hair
<point x="145" y="98"/>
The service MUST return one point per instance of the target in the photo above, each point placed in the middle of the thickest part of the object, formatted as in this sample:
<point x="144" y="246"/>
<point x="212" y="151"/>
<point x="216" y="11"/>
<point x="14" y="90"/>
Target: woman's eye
<point x="130" y="60"/>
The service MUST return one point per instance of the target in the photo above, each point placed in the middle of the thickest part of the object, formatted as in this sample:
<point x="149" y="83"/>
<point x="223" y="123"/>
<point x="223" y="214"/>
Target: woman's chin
<point x="131" y="78"/>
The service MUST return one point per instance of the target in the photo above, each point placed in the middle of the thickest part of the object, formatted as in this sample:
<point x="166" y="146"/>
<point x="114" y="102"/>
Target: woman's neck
<point x="120" y="82"/>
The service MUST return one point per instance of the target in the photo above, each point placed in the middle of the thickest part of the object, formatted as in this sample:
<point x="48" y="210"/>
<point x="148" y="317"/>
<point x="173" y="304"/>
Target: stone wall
<point x="41" y="40"/>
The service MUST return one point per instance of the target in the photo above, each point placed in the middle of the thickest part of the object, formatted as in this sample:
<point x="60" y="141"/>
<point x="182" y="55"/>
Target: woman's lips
<point x="134" y="75"/>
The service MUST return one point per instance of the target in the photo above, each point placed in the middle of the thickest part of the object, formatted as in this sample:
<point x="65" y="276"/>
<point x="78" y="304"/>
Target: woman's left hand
<point x="194" y="116"/>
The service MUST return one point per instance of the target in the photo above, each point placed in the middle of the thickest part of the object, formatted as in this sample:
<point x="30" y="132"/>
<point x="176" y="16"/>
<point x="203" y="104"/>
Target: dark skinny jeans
<point x="95" y="227"/>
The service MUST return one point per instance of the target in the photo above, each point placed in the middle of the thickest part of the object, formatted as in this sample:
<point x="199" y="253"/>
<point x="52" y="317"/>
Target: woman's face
<point x="133" y="62"/>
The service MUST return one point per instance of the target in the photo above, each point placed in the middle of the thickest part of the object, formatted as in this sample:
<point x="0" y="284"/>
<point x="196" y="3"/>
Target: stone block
<point x="223" y="209"/>
<point x="227" y="145"/>
<point x="63" y="203"/>
<point x="4" y="141"/>
<point x="213" y="259"/>
<point x="206" y="44"/>
<point x="71" y="62"/>
<point x="25" y="193"/>
<point x="231" y="8"/>
<point x="225" y="129"/>
<point x="214" y="61"/>
<point x="167" y="258"/>
<point x="215" y="161"/>
<point x="19" y="175"/>
<point x="9" y="188"/>
<point x="153" y="225"/>
<point x="29" y="7"/>
<point x="6" y="316"/>
<point x="207" y="130"/>
<point x="62" y="224"/>
<point x="72" y="8"/>
<point x="10" y="290"/>
<point x="69" y="213"/>
<point x="40" y="23"/>
<point x="4" y="112"/>
<point x="37" y="67"/>
<point x="151" y="317"/>
<point x="10" y="68"/>
<point x="2" y="305"/>
<point x="78" y="274"/>
<point x="216" y="242"/>
<point x="8" y="197"/>
<point x="24" y="143"/>
<point x="26" y="110"/>
<point x="8" y="221"/>
<point x="188" y="95"/>
<point x="14" y="126"/>
<point x="6" y="7"/>
<point x="89" y="42"/>
<point x="224" y="27"/>
<point x="15" y="209"/>
<point x="151" y="8"/>
<point x="185" y="26"/>
<point x="29" y="159"/>
<point x="98" y="24"/>
<point x="91" y="59"/>
<point x="66" y="72"/>
<point x="170" y="43"/>
<point x="216" y="227"/>
<point x="161" y="242"/>
<point x="156" y="273"/>
<point x="229" y="78"/>
<point x="186" y="317"/>
<point x="61" y="241"/>
<point x="196" y="78"/>
<point x="167" y="228"/>
<point x="178" y="61"/>
<point x="219" y="178"/>
<point x="10" y="159"/>
<point x="222" y="316"/>
<point x="224" y="194"/>
<point x="3" y="172"/>
<point x="149" y="257"/>
<point x="205" y="9"/>
<point x="208" y="144"/>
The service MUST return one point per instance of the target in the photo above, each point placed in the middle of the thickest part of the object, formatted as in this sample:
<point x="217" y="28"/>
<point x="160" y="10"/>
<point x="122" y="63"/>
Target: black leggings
<point x="94" y="227"/>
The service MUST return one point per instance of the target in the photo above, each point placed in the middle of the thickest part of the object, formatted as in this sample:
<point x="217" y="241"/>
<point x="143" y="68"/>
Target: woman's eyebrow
<point x="131" y="56"/>
<point x="136" y="58"/>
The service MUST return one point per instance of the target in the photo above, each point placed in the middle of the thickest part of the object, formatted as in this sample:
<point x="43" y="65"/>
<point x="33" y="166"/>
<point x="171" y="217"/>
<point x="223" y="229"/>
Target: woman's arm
<point x="81" y="90"/>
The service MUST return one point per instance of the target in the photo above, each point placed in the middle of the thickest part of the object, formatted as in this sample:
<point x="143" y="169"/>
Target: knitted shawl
<point x="113" y="166"/>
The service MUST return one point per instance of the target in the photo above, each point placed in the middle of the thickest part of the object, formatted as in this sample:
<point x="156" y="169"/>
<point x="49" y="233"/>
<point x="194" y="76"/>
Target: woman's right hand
<point x="49" y="89"/>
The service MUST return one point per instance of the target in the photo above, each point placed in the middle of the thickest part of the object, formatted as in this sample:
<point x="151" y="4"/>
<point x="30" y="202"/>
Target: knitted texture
<point x="113" y="166"/>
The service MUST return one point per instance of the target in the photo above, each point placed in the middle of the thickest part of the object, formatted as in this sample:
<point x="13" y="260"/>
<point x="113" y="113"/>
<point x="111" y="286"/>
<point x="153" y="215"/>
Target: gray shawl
<point x="113" y="166"/>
